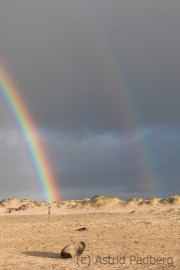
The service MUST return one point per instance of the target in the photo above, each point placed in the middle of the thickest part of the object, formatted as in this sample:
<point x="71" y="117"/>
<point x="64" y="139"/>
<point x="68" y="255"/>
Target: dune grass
<point x="153" y="201"/>
<point x="174" y="199"/>
<point x="134" y="201"/>
<point x="97" y="197"/>
<point x="100" y="200"/>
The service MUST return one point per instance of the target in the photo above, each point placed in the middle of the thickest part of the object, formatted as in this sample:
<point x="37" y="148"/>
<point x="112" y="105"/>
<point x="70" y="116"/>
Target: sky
<point x="101" y="81"/>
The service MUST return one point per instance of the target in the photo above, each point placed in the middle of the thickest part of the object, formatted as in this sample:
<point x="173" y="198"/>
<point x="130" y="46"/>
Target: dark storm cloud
<point x="145" y="163"/>
<point x="61" y="53"/>
<point x="101" y="80"/>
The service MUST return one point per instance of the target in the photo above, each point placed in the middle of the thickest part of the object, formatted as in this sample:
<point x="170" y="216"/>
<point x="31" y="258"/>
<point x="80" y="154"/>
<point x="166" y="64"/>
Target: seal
<point x="82" y="229"/>
<point x="73" y="250"/>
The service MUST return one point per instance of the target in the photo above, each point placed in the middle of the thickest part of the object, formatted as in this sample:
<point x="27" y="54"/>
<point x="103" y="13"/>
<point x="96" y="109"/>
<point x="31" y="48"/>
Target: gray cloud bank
<point x="144" y="164"/>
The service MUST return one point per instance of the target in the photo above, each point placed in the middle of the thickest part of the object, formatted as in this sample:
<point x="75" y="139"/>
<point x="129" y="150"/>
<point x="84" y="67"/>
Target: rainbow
<point x="27" y="128"/>
<point x="121" y="98"/>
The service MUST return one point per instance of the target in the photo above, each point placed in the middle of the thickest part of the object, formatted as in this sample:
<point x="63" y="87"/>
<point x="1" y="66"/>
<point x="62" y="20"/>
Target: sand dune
<point x="97" y="203"/>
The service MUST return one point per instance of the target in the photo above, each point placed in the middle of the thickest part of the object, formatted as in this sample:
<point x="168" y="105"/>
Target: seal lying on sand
<point x="73" y="250"/>
<point x="82" y="229"/>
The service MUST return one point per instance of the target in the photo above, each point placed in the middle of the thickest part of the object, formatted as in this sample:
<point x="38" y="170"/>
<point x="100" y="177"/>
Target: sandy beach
<point x="132" y="234"/>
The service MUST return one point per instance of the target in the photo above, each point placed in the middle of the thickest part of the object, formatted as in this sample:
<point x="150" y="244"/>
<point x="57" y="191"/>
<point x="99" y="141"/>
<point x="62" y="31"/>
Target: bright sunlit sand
<point x="133" y="234"/>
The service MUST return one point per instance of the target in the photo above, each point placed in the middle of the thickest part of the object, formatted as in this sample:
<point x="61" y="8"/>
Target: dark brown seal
<point x="82" y="229"/>
<point x="73" y="250"/>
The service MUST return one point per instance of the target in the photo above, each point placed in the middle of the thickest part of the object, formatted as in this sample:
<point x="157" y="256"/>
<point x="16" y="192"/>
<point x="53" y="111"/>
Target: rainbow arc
<point x="27" y="130"/>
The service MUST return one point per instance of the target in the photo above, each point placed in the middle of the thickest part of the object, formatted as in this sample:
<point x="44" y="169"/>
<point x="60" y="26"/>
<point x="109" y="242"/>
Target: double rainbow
<point x="27" y="129"/>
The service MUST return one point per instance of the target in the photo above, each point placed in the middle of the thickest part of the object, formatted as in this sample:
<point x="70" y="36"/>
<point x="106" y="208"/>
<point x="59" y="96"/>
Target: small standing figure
<point x="49" y="212"/>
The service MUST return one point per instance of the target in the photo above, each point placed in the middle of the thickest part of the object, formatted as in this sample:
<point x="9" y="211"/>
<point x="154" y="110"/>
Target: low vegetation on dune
<point x="138" y="200"/>
<point x="100" y="200"/>
<point x="111" y="200"/>
<point x="97" y="197"/>
<point x="134" y="201"/>
<point x="153" y="201"/>
<point x="97" y="201"/>
<point x="131" y="201"/>
<point x="175" y="199"/>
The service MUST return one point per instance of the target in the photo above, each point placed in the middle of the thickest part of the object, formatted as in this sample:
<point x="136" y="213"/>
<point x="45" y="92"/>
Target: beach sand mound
<point x="98" y="202"/>
<point x="175" y="199"/>
<point x="101" y="201"/>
